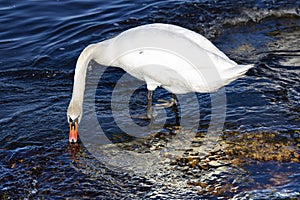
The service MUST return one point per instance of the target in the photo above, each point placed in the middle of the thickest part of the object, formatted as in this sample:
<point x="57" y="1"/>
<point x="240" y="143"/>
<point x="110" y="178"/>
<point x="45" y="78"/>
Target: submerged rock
<point x="263" y="146"/>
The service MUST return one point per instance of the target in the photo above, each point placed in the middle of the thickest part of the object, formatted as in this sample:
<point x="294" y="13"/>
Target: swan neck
<point x="80" y="75"/>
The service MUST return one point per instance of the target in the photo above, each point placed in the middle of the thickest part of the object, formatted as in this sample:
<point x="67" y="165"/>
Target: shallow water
<point x="39" y="44"/>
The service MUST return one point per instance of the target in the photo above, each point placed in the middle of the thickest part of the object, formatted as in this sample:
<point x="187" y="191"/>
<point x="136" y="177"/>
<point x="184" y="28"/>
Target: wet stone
<point x="215" y="164"/>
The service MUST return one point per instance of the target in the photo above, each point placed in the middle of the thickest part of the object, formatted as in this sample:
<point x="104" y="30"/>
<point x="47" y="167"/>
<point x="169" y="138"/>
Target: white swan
<point x="162" y="55"/>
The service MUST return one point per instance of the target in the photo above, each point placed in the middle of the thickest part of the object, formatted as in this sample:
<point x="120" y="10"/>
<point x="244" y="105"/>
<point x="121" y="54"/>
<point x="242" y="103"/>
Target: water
<point x="39" y="44"/>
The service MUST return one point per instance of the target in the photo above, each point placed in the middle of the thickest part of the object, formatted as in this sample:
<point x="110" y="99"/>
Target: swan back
<point x="166" y="55"/>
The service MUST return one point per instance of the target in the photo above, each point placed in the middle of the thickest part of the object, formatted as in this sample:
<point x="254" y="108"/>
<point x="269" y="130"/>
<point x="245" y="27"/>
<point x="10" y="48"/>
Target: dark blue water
<point x="39" y="44"/>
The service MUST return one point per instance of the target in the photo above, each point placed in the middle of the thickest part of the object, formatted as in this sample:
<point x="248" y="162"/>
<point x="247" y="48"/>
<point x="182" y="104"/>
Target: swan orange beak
<point x="73" y="132"/>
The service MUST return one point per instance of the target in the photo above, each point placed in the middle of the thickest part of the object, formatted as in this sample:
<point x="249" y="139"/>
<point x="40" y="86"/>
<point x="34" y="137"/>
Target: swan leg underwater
<point x="150" y="115"/>
<point x="162" y="55"/>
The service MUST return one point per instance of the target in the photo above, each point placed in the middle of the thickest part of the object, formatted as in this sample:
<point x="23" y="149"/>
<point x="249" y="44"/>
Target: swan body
<point x="162" y="55"/>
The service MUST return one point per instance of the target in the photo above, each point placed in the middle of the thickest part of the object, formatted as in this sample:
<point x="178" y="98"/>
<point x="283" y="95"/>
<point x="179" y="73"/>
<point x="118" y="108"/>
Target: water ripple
<point x="39" y="44"/>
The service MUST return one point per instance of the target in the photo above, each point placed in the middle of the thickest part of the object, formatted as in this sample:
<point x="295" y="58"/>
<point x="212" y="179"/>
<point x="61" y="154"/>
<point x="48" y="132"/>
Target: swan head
<point x="74" y="115"/>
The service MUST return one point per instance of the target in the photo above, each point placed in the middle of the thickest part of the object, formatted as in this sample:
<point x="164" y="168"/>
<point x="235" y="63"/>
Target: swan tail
<point x="242" y="69"/>
<point x="236" y="72"/>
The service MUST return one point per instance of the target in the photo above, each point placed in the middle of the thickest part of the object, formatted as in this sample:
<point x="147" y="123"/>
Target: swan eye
<point x="70" y="119"/>
<point x="76" y="120"/>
